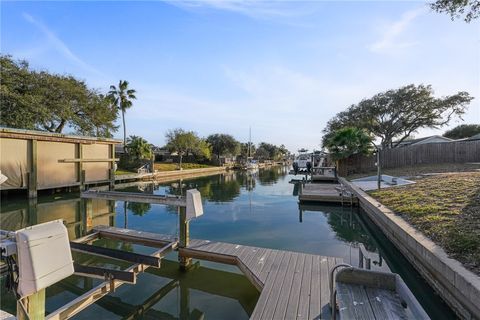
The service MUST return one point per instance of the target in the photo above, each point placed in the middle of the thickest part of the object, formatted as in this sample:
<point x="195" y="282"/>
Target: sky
<point x="282" y="68"/>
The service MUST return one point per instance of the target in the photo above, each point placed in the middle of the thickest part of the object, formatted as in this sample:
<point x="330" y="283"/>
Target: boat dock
<point x="326" y="192"/>
<point x="292" y="285"/>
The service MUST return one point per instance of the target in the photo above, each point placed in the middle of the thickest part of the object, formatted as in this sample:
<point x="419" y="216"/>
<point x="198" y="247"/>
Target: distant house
<point x="474" y="137"/>
<point x="424" y="140"/>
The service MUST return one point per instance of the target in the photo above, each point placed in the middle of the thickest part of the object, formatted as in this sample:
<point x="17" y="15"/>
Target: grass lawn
<point x="121" y="171"/>
<point x="163" y="166"/>
<point x="422" y="169"/>
<point x="446" y="208"/>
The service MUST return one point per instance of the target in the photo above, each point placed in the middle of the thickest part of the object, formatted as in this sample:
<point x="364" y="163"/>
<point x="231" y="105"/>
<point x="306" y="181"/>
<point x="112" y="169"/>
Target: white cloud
<point x="392" y="32"/>
<point x="258" y="9"/>
<point x="59" y="45"/>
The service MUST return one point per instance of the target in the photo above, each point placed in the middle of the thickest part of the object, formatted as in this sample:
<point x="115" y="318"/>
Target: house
<point x="424" y="140"/>
<point x="474" y="137"/>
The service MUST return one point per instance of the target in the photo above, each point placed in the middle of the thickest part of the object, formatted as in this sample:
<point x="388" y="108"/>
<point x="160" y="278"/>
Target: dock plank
<point x="293" y="300"/>
<point x="303" y="306"/>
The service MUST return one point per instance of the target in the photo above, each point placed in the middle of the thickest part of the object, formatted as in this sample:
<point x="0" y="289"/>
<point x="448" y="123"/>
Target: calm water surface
<point x="259" y="209"/>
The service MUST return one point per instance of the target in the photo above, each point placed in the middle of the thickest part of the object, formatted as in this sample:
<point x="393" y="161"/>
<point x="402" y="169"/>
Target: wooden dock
<point x="293" y="285"/>
<point x="325" y="192"/>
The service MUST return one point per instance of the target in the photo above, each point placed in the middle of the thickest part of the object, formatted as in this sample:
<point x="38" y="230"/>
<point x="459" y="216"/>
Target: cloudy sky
<point x="283" y="68"/>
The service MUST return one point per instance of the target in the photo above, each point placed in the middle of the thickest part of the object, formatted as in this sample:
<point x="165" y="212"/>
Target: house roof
<point x="51" y="136"/>
<point x="474" y="137"/>
<point x="415" y="141"/>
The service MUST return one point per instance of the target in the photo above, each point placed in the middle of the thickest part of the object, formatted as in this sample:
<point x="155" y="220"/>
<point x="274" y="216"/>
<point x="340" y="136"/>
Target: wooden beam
<point x="135" y="197"/>
<point x="87" y="238"/>
<point x="115" y="254"/>
<point x="87" y="160"/>
<point x="104" y="273"/>
<point x="93" y="295"/>
<point x="33" y="306"/>
<point x="32" y="174"/>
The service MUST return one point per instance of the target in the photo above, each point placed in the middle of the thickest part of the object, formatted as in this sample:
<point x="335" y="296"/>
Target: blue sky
<point x="283" y="68"/>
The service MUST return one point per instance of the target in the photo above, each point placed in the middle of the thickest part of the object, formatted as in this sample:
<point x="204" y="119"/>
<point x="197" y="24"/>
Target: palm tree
<point x="122" y="98"/>
<point x="139" y="148"/>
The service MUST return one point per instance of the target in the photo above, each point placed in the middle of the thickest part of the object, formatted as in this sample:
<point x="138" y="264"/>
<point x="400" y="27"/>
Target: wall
<point x="457" y="286"/>
<point x="14" y="163"/>
<point x="95" y="171"/>
<point x="52" y="173"/>
<point x="429" y="153"/>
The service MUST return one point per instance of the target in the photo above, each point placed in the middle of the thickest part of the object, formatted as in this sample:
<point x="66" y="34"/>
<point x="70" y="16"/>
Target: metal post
<point x="379" y="176"/>
<point x="185" y="262"/>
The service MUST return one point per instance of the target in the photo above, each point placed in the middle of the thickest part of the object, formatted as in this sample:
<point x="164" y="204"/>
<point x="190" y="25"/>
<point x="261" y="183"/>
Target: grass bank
<point x="419" y="170"/>
<point x="446" y="208"/>
<point x="163" y="166"/>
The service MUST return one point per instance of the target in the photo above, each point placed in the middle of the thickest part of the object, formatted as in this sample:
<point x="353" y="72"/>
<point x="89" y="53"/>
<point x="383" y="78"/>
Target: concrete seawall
<point x="169" y="175"/>
<point x="459" y="287"/>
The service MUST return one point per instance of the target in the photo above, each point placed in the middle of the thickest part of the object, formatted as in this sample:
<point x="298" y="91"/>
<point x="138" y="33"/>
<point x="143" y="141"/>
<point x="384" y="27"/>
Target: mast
<point x="249" y="140"/>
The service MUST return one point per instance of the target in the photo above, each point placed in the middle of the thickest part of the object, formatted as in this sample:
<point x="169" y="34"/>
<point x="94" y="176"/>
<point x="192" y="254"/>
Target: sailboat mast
<point x="249" y="140"/>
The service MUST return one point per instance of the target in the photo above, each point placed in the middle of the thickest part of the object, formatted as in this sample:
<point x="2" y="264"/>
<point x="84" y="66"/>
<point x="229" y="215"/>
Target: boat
<point x="303" y="162"/>
<point x="250" y="164"/>
<point x="366" y="294"/>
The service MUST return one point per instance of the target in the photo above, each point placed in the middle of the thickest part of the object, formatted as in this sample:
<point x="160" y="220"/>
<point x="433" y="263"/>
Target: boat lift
<point x="40" y="255"/>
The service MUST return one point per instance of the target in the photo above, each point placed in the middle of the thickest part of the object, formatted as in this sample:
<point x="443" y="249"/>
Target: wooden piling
<point x="32" y="174"/>
<point x="33" y="305"/>
<point x="184" y="239"/>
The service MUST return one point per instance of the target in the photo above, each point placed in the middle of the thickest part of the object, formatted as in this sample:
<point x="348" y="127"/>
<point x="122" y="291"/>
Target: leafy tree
<point x="348" y="141"/>
<point x="139" y="148"/>
<point x="223" y="144"/>
<point x="122" y="98"/>
<point x="462" y="131"/>
<point x="397" y="114"/>
<point x="244" y="147"/>
<point x="186" y="142"/>
<point x="261" y="153"/>
<point x="51" y="102"/>
<point x="139" y="209"/>
<point x="468" y="9"/>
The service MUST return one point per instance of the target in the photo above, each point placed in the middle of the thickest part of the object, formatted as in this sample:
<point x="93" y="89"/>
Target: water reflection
<point x="240" y="207"/>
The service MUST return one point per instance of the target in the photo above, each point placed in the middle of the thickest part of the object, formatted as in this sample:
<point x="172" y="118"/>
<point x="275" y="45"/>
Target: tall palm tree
<point x="122" y="98"/>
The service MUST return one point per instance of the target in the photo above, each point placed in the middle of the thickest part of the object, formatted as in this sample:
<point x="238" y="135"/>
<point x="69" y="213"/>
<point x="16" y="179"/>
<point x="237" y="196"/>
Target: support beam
<point x="116" y="254"/>
<point x="32" y="174"/>
<point x="33" y="305"/>
<point x="93" y="295"/>
<point x="135" y="197"/>
<point x="104" y="273"/>
<point x="185" y="262"/>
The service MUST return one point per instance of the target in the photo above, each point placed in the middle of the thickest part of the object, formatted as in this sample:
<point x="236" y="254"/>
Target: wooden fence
<point x="429" y="153"/>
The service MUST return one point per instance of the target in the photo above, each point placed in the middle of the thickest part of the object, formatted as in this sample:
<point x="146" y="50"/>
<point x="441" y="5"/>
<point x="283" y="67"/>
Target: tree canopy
<point x="394" y="115"/>
<point x="462" y="131"/>
<point x="39" y="100"/>
<point x="139" y="148"/>
<point x="466" y="9"/>
<point x="348" y="141"/>
<point x="223" y="144"/>
<point x="187" y="142"/>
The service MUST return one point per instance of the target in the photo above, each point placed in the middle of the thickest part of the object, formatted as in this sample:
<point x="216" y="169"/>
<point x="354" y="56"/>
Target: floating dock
<point x="326" y="192"/>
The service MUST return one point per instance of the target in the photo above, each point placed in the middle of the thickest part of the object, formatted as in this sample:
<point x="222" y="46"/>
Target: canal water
<point x="258" y="209"/>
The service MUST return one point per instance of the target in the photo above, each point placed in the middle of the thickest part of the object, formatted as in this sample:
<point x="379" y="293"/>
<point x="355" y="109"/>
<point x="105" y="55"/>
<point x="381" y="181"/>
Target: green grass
<point x="418" y="170"/>
<point x="121" y="171"/>
<point x="163" y="166"/>
<point x="446" y="208"/>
